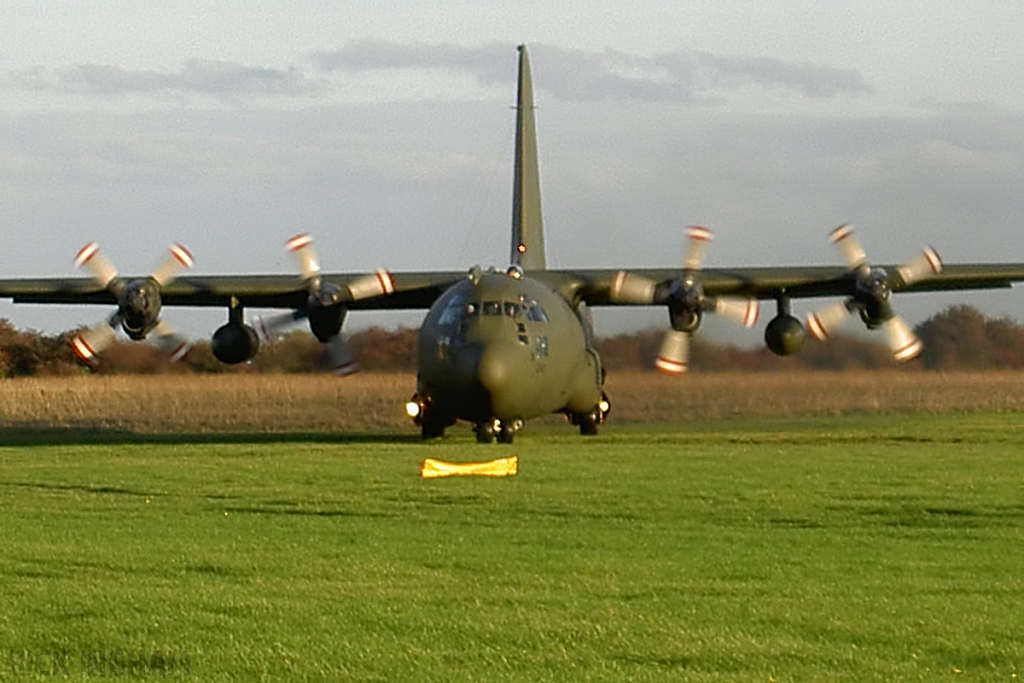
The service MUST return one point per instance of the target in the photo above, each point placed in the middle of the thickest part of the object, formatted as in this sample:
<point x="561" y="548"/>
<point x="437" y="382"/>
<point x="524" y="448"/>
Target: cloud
<point x="197" y="76"/>
<point x="578" y="75"/>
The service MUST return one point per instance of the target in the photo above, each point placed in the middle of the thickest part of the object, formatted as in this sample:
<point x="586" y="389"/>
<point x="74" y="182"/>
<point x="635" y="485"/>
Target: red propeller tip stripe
<point x="698" y="232"/>
<point x="753" y="311"/>
<point x="347" y="368"/>
<point x="908" y="352"/>
<point x="83" y="351"/>
<point x="182" y="254"/>
<point x="815" y="327"/>
<point x="840" y="233"/>
<point x="298" y="242"/>
<point x="670" y="366"/>
<point x="86" y="253"/>
<point x="386" y="280"/>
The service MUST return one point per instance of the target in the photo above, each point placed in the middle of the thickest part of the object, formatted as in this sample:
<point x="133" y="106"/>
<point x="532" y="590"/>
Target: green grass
<point x="865" y="548"/>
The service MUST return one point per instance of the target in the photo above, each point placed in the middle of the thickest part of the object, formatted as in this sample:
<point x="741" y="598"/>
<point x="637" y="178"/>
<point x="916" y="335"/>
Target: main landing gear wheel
<point x="485" y="431"/>
<point x="432" y="427"/>
<point x="507" y="431"/>
<point x="588" y="423"/>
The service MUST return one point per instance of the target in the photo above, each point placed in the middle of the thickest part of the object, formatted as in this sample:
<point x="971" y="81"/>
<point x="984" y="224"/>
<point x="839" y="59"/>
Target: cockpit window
<point x="511" y="309"/>
<point x="534" y="312"/>
<point x="492" y="308"/>
<point x="450" y="314"/>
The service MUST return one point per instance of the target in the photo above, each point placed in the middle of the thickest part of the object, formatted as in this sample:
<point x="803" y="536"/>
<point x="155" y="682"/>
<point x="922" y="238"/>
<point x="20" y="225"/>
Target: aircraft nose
<point x="493" y="371"/>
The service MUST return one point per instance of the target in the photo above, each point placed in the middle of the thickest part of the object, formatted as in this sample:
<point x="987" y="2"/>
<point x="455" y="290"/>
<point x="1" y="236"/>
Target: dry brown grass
<point x="644" y="397"/>
<point x="371" y="401"/>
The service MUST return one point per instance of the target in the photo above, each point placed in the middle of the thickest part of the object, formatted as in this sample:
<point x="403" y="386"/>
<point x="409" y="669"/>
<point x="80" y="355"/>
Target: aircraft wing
<point x="594" y="286"/>
<point x="417" y="290"/>
<point x="412" y="290"/>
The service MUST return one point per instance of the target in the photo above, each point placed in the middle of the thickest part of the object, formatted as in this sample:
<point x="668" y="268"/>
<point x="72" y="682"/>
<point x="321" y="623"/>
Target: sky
<point x="385" y="131"/>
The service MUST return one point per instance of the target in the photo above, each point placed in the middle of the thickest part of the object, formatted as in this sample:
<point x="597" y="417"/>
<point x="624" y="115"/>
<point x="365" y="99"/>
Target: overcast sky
<point x="387" y="134"/>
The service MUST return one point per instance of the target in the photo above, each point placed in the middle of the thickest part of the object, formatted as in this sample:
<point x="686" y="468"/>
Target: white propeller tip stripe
<point x="299" y="241"/>
<point x="908" y="352"/>
<point x="83" y="351"/>
<point x="618" y="281"/>
<point x="840" y="233"/>
<point x="85" y="254"/>
<point x="178" y="352"/>
<point x="348" y="368"/>
<point x="752" y="313"/>
<point x="670" y="366"/>
<point x="630" y="289"/>
<point x="698" y="232"/>
<point x="386" y="280"/>
<point x="182" y="255"/>
<point x="934" y="260"/>
<point x="815" y="327"/>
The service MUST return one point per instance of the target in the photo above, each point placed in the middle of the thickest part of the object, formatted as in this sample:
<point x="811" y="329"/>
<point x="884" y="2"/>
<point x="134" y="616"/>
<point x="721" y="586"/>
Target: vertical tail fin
<point x="527" y="225"/>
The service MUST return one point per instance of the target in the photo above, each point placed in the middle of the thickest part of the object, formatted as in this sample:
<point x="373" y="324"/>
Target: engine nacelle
<point x="326" y="321"/>
<point x="784" y="335"/>
<point x="234" y="343"/>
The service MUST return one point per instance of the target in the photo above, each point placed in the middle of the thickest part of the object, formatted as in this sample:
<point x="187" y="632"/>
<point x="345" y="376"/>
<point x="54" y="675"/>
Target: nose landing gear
<point x="503" y="431"/>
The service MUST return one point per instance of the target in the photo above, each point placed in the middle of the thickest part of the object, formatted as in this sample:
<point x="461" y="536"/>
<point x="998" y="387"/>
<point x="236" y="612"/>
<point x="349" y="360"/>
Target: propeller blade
<point x="849" y="246"/>
<point x="825" y="320"/>
<point x="90" y="343"/>
<point x="339" y="357"/>
<point x="673" y="357"/>
<point x="301" y="247"/>
<point x="380" y="282"/>
<point x="924" y="266"/>
<point x="698" y="242"/>
<point x="902" y="341"/>
<point x="170" y="343"/>
<point x="631" y="289"/>
<point x="90" y="256"/>
<point x="742" y="311"/>
<point x="272" y="326"/>
<point x="178" y="260"/>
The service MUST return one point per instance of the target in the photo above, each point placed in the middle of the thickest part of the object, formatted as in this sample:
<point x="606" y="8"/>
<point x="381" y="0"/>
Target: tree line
<point x="958" y="338"/>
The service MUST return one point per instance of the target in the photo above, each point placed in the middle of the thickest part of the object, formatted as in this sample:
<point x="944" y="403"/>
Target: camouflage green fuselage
<point x="506" y="348"/>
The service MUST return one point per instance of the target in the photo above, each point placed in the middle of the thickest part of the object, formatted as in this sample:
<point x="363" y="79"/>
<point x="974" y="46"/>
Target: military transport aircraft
<point x="499" y="346"/>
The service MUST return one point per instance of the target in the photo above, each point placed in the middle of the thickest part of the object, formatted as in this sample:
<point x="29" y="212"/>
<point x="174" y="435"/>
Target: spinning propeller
<point x="138" y="304"/>
<point x="325" y="307"/>
<point x="686" y="302"/>
<point x="872" y="294"/>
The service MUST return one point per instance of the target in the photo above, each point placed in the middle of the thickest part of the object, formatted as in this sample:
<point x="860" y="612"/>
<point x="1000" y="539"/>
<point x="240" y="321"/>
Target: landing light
<point x="604" y="406"/>
<point x="412" y="409"/>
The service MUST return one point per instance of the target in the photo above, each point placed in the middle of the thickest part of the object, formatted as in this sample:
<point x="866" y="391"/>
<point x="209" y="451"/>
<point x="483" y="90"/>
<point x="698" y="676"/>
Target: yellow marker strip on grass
<point x="502" y="467"/>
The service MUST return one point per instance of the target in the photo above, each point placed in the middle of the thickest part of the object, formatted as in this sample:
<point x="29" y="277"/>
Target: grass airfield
<point x="879" y="547"/>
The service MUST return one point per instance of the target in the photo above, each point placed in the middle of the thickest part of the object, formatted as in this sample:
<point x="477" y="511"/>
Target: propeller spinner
<point x="138" y="304"/>
<point x="325" y="307"/>
<point x="872" y="295"/>
<point x="686" y="301"/>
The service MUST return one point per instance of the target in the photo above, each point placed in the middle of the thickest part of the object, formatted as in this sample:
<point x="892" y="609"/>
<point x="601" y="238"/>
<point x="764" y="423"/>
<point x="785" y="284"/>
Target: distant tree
<point x="295" y="352"/>
<point x="960" y="337"/>
<point x="389" y="350"/>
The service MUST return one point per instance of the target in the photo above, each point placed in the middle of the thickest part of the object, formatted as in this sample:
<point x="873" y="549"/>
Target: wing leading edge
<point x="418" y="290"/>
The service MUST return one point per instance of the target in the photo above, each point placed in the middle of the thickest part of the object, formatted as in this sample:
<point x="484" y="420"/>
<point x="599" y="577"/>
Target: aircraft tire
<point x="485" y="431"/>
<point x="588" y="424"/>
<point x="507" y="434"/>
<point x="433" y="425"/>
